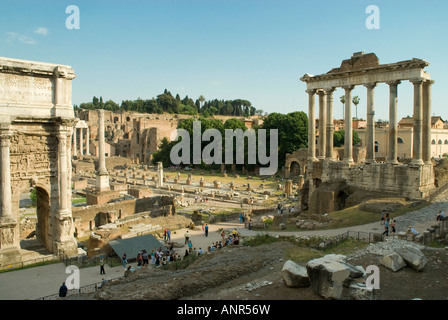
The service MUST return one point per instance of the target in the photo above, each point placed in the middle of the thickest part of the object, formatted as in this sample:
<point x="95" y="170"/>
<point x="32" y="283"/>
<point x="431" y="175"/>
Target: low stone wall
<point x="86" y="218"/>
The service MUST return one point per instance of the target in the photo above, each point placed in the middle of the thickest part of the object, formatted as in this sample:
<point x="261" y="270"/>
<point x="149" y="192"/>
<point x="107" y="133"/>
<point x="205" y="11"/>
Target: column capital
<point x="429" y="82"/>
<point x="311" y="91"/>
<point x="417" y="81"/>
<point x="393" y="83"/>
<point x="329" y="90"/>
<point x="350" y="88"/>
<point x="370" y="85"/>
<point x="321" y="92"/>
<point x="5" y="138"/>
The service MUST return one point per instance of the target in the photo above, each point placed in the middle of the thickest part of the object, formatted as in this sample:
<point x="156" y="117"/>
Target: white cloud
<point x="42" y="31"/>
<point x="13" y="36"/>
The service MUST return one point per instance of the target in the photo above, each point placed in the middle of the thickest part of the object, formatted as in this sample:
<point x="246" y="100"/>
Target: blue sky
<point x="248" y="49"/>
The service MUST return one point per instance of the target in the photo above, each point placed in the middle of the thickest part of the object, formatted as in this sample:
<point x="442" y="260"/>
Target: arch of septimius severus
<point x="36" y="127"/>
<point x="414" y="180"/>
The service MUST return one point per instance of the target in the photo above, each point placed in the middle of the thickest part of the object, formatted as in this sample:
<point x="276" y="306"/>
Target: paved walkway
<point x="38" y="282"/>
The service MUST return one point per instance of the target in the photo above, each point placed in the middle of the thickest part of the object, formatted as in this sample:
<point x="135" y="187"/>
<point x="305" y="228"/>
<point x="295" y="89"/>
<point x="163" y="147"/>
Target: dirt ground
<point x="254" y="273"/>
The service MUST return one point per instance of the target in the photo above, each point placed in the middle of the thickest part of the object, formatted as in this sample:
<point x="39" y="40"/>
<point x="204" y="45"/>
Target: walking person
<point x="168" y="234"/>
<point x="393" y="227"/>
<point x="382" y="217"/>
<point x="206" y="230"/>
<point x="187" y="237"/>
<point x="386" y="228"/>
<point x="102" y="271"/>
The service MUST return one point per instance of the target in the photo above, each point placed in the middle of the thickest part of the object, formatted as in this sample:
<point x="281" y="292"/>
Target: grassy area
<point x="78" y="200"/>
<point x="301" y="254"/>
<point x="353" y="216"/>
<point x="303" y="251"/>
<point x="436" y="244"/>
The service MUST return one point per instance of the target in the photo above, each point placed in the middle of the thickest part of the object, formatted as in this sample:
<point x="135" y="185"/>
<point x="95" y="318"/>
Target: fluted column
<point x="348" y="125"/>
<point x="418" y="119"/>
<point x="426" y="135"/>
<point x="63" y="171"/>
<point x="370" y="137"/>
<point x="322" y="123"/>
<point x="330" y="124"/>
<point x="5" y="176"/>
<point x="393" y="122"/>
<point x="311" y="126"/>
<point x="9" y="231"/>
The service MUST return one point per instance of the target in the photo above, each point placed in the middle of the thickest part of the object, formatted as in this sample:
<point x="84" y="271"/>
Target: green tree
<point x="292" y="132"/>
<point x="339" y="138"/>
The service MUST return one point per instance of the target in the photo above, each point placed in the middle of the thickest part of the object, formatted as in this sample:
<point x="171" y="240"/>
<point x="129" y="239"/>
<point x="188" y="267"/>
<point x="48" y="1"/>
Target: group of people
<point x="388" y="222"/>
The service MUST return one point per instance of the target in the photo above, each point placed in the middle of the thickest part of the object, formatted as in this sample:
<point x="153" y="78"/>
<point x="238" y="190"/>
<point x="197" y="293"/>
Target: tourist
<point x="223" y="234"/>
<point x="187" y="237"/>
<point x="203" y="229"/>
<point x="153" y="257"/>
<point x="168" y="234"/>
<point x="393" y="227"/>
<point x="386" y="228"/>
<point x="124" y="259"/>
<point x="128" y="271"/>
<point x="145" y="258"/>
<point x="186" y="253"/>
<point x="200" y="251"/>
<point x="63" y="290"/>
<point x="165" y="234"/>
<point x="234" y="232"/>
<point x="382" y="217"/>
<point x="102" y="271"/>
<point x="413" y="230"/>
<point x="206" y="230"/>
<point x="103" y="282"/>
<point x="250" y="224"/>
<point x="190" y="246"/>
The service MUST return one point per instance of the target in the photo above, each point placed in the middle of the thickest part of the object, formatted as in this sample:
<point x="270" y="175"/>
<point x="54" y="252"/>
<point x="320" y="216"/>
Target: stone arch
<point x="297" y="160"/>
<point x="36" y="152"/>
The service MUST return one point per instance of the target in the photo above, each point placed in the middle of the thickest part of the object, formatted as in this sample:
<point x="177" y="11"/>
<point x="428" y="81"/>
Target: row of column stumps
<point x="81" y="141"/>
<point x="422" y="123"/>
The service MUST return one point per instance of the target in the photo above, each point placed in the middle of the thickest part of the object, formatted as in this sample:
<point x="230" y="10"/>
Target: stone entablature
<point x="35" y="89"/>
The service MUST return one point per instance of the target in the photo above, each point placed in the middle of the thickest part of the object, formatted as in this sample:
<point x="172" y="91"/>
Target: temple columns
<point x="418" y="119"/>
<point x="370" y="134"/>
<point x="348" y="122"/>
<point x="330" y="124"/>
<point x="311" y="126"/>
<point x="393" y="122"/>
<point x="322" y="124"/>
<point x="426" y="135"/>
